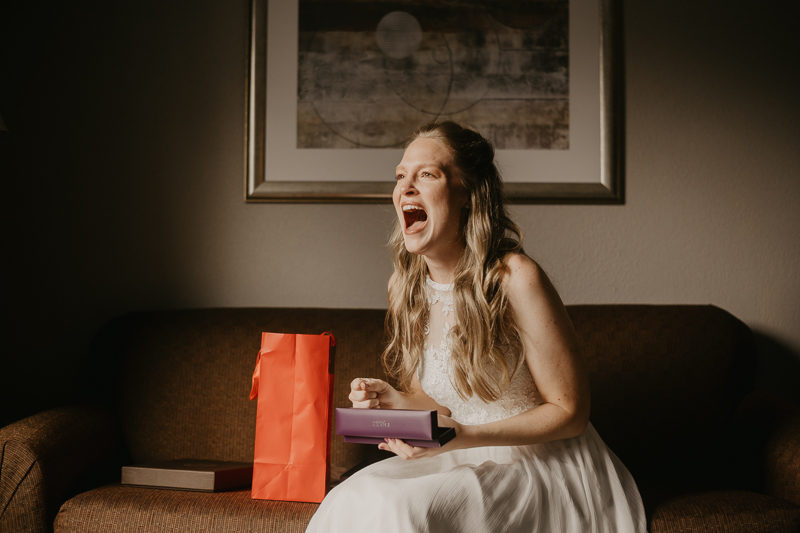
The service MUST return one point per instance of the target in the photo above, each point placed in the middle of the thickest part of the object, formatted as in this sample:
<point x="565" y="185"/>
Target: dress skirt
<point x="573" y="485"/>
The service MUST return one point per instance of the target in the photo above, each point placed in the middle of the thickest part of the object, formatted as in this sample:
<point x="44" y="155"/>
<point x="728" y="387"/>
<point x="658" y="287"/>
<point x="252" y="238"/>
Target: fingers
<point x="366" y="404"/>
<point x="405" y="451"/>
<point x="369" y="384"/>
<point x="362" y="398"/>
<point x="393" y="445"/>
<point x="364" y="392"/>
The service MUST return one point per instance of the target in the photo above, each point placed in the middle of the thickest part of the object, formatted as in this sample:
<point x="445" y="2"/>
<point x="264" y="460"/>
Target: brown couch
<point x="671" y="395"/>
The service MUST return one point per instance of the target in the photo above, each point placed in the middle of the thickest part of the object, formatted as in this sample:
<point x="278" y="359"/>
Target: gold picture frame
<point x="605" y="185"/>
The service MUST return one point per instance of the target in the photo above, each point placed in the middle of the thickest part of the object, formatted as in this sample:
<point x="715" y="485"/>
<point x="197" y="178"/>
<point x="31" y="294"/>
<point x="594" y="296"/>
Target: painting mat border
<point x="608" y="190"/>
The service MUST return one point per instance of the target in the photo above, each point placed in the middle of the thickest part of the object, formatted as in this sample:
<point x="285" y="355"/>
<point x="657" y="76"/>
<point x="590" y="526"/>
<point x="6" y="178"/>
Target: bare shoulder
<point x="539" y="312"/>
<point x="528" y="288"/>
<point x="523" y="274"/>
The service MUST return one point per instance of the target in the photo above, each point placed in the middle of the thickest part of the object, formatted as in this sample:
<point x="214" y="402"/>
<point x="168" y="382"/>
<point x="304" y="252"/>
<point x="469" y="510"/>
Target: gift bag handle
<point x="333" y="339"/>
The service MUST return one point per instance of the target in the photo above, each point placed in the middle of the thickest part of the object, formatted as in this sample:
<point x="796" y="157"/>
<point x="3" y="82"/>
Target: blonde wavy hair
<point x="485" y="330"/>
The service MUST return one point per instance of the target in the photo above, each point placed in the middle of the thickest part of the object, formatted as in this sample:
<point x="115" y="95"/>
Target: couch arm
<point x="47" y="458"/>
<point x="769" y="431"/>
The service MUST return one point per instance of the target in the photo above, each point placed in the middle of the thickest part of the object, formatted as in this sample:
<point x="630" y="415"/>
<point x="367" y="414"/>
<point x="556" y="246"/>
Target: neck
<point x="441" y="267"/>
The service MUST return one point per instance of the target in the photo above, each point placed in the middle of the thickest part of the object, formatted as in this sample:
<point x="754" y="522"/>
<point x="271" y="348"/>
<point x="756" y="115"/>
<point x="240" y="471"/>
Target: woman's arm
<point x="553" y="355"/>
<point x="367" y="393"/>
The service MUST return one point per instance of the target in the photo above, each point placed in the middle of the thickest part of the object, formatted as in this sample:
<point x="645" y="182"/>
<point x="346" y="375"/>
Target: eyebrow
<point x="440" y="168"/>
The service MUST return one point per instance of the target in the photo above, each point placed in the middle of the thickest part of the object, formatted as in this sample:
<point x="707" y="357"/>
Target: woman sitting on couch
<point x="479" y="334"/>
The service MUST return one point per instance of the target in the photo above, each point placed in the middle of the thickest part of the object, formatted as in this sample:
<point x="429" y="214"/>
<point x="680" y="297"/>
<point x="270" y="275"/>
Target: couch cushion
<point x="727" y="511"/>
<point x="134" y="509"/>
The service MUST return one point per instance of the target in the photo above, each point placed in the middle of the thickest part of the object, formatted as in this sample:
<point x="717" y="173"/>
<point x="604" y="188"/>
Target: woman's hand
<point x="366" y="393"/>
<point x="405" y="451"/>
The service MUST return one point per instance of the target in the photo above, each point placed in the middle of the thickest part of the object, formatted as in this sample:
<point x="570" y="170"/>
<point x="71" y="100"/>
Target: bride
<point x="479" y="334"/>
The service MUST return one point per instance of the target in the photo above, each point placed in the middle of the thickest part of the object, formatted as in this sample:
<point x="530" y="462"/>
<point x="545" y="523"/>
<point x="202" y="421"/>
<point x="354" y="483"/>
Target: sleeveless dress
<point x="574" y="485"/>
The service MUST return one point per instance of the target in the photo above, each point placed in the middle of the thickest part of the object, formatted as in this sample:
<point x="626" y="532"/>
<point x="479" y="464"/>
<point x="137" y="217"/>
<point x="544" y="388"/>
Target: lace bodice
<point x="435" y="372"/>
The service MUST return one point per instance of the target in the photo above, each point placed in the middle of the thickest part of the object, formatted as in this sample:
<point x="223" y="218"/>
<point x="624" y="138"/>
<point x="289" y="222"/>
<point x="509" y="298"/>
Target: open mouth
<point x="415" y="218"/>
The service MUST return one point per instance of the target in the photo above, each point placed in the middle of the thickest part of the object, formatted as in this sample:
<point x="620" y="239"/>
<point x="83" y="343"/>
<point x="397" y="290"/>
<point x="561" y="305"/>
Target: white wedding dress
<point x="574" y="485"/>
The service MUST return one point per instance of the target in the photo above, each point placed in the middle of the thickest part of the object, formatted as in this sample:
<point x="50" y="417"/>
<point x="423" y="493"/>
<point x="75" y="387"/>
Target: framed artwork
<point x="335" y="89"/>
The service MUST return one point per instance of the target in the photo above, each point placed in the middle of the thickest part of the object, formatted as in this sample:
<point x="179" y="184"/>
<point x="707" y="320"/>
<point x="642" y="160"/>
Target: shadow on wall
<point x="778" y="369"/>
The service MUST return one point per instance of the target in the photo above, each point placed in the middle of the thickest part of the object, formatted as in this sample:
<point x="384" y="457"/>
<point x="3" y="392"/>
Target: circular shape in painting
<point x="398" y="34"/>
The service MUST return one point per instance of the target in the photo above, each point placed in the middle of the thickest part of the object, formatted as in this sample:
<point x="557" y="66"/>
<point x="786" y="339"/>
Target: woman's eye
<point x="399" y="177"/>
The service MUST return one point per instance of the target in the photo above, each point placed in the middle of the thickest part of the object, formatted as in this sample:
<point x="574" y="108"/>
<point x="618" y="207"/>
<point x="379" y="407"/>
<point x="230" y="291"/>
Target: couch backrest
<point x="665" y="379"/>
<point x="182" y="378"/>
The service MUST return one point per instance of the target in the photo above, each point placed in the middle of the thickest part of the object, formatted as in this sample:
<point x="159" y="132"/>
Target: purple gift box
<point x="371" y="426"/>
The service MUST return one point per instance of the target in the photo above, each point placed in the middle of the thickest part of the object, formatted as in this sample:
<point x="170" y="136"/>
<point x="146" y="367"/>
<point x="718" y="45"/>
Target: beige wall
<point x="126" y="165"/>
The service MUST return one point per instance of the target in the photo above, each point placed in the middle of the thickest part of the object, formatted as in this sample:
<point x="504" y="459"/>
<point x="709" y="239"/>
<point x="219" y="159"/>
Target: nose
<point x="408" y="187"/>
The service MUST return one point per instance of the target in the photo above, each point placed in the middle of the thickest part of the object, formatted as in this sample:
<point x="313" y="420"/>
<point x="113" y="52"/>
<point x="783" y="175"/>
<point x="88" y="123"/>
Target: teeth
<point x="411" y="208"/>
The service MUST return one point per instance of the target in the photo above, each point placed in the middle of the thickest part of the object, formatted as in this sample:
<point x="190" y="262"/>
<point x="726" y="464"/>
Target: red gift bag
<point x="293" y="382"/>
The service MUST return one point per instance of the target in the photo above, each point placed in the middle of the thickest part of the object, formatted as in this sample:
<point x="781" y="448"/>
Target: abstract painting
<point x="369" y="72"/>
